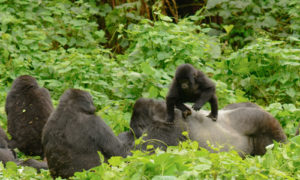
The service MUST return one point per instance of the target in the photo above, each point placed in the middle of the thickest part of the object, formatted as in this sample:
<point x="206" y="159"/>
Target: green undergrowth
<point x="61" y="44"/>
<point x="186" y="161"/>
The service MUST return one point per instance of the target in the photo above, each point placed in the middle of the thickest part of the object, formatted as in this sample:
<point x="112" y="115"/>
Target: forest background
<point x="121" y="50"/>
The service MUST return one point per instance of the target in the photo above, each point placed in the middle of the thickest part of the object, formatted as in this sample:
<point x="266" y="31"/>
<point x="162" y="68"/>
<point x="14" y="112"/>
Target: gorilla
<point x="239" y="105"/>
<point x="7" y="154"/>
<point x="245" y="127"/>
<point x="127" y="138"/>
<point x="38" y="165"/>
<point x="191" y="85"/>
<point x="73" y="135"/>
<point x="28" y="107"/>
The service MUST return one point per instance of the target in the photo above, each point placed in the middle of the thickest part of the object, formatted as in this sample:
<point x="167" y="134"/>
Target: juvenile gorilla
<point x="248" y="130"/>
<point x="74" y="134"/>
<point x="28" y="107"/>
<point x="191" y="85"/>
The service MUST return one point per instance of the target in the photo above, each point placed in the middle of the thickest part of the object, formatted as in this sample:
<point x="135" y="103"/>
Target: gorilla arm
<point x="105" y="139"/>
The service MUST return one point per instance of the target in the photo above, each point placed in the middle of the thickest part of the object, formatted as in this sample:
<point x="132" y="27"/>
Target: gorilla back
<point x="27" y="107"/>
<point x="248" y="130"/>
<point x="74" y="134"/>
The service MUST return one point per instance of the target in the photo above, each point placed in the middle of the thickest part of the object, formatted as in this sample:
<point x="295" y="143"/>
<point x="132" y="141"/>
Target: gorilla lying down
<point x="244" y="126"/>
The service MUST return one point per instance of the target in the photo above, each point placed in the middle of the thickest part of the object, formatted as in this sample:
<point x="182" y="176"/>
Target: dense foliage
<point x="252" y="55"/>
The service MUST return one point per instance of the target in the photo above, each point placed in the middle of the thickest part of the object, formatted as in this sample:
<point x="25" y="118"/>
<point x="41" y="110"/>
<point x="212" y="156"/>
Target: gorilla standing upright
<point x="28" y="107"/>
<point x="74" y="134"/>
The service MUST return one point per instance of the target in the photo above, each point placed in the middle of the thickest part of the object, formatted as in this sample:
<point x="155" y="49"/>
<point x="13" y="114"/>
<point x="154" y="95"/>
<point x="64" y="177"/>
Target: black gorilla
<point x="73" y="135"/>
<point x="249" y="130"/>
<point x="7" y="154"/>
<point x="150" y="118"/>
<point x="27" y="107"/>
<point x="191" y="85"/>
<point x="38" y="165"/>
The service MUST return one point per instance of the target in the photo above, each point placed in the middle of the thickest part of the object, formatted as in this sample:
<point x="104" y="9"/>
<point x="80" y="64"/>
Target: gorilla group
<point x="244" y="126"/>
<point x="71" y="135"/>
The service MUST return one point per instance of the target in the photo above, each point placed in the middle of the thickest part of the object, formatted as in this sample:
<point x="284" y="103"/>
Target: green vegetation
<point x="119" y="55"/>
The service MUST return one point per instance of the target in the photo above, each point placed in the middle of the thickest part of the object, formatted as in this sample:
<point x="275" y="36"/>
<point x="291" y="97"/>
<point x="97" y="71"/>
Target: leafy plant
<point x="279" y="19"/>
<point x="264" y="71"/>
<point x="64" y="45"/>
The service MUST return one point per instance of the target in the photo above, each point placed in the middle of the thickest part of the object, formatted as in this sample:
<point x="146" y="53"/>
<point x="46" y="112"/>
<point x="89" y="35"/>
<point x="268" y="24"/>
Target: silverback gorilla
<point x="191" y="85"/>
<point x="28" y="107"/>
<point x="73" y="135"/>
<point x="247" y="129"/>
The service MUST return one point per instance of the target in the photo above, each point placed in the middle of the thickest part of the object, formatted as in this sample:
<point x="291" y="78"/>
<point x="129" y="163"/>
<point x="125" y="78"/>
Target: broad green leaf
<point x="228" y="28"/>
<point x="61" y="40"/>
<point x="153" y="92"/>
<point x="269" y="21"/>
<point x="291" y="92"/>
<point x="147" y="69"/>
<point x="296" y="140"/>
<point x="162" y="55"/>
<point x="212" y="3"/>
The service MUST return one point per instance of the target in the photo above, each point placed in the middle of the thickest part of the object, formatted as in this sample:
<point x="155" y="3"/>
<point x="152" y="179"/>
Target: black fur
<point x="191" y="85"/>
<point x="74" y="134"/>
<point x="27" y="107"/>
<point x="7" y="154"/>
